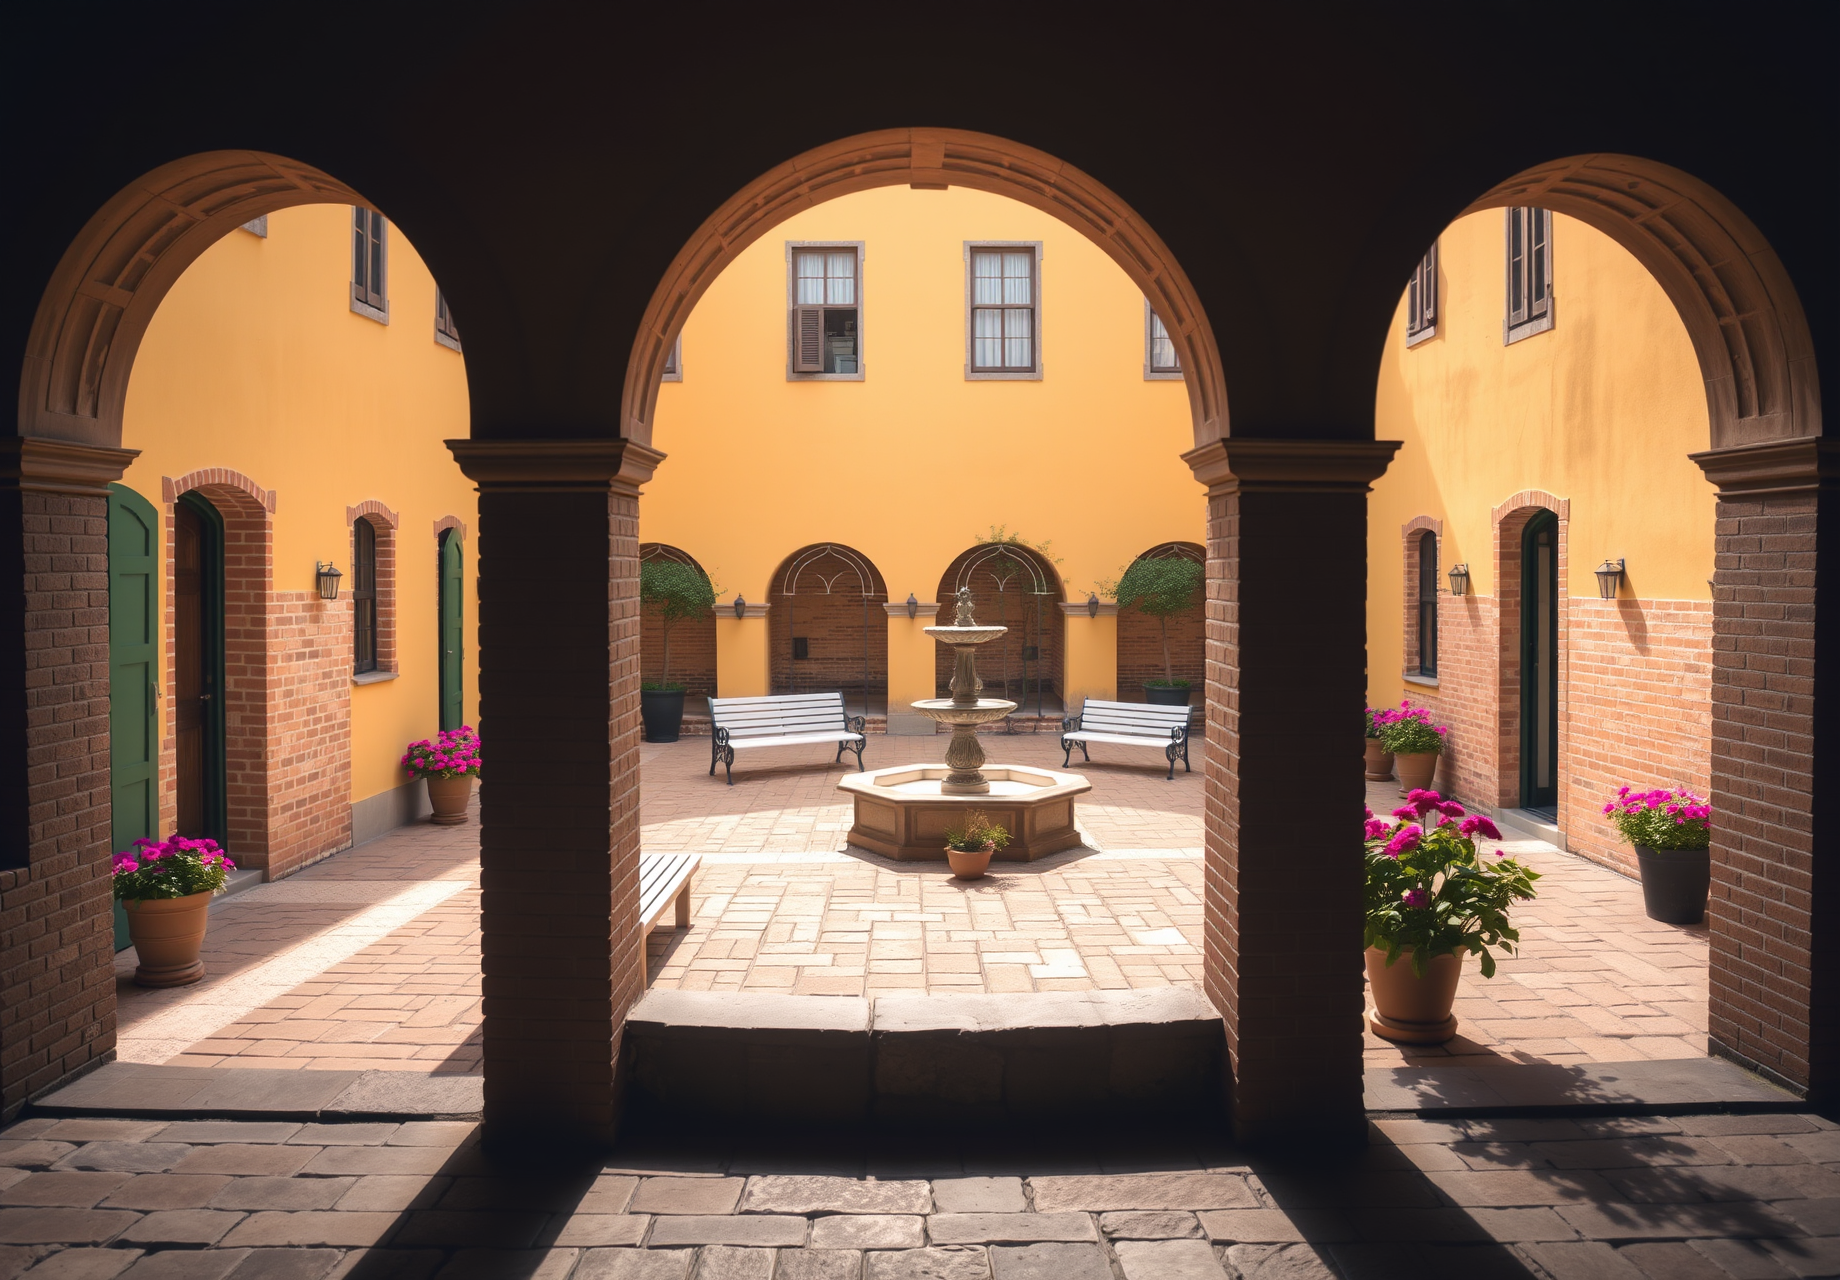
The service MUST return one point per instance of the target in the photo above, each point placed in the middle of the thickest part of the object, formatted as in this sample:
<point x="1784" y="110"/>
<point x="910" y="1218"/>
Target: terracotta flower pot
<point x="1410" y="1009"/>
<point x="448" y="797"/>
<point x="1417" y="770"/>
<point x="970" y="864"/>
<point x="168" y="934"/>
<point x="1379" y="761"/>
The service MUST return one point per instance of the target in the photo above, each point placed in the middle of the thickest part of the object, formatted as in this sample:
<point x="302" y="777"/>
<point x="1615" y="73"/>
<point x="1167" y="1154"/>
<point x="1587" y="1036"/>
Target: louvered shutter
<point x="1428" y="297"/>
<point x="1517" y="266"/>
<point x="808" y="339"/>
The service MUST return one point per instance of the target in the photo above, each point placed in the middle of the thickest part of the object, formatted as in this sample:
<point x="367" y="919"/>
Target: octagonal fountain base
<point x="901" y="812"/>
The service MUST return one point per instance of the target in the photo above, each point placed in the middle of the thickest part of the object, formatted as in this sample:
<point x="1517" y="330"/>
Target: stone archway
<point x="1141" y="637"/>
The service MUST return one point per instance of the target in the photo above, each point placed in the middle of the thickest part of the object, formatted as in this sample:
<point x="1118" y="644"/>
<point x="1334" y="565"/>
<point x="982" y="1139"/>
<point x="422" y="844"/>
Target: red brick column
<point x="559" y="802"/>
<point x="1775" y="778"/>
<point x="1286" y="681"/>
<point x="56" y="937"/>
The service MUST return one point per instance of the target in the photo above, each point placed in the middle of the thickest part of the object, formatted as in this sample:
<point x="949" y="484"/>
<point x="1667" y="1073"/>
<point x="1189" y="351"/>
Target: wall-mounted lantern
<point x="1092" y="604"/>
<point x="1609" y="577"/>
<point x="326" y="578"/>
<point x="913" y="606"/>
<point x="740" y="606"/>
<point x="1459" y="579"/>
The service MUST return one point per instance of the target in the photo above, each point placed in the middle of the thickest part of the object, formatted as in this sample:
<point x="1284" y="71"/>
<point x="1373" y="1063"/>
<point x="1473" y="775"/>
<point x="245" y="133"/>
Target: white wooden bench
<point x="664" y="879"/>
<point x="789" y="720"/>
<point x="1131" y="724"/>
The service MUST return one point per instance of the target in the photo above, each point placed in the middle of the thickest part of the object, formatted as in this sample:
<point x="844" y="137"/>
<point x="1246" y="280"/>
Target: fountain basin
<point x="902" y="813"/>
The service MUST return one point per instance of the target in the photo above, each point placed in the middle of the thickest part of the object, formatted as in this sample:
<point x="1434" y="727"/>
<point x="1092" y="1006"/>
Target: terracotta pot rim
<point x="140" y="904"/>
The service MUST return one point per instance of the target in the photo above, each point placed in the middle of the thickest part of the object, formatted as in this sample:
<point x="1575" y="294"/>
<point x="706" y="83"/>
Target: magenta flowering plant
<point x="1662" y="819"/>
<point x="454" y="753"/>
<point x="1407" y="730"/>
<point x="1431" y="892"/>
<point x="176" y="867"/>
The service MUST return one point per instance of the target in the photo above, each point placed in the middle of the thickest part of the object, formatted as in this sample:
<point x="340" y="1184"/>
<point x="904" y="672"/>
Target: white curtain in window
<point x="840" y="279"/>
<point x="810" y="268"/>
<point x="1018" y="339"/>
<point x="987" y="333"/>
<point x="986" y="279"/>
<point x="1017" y="279"/>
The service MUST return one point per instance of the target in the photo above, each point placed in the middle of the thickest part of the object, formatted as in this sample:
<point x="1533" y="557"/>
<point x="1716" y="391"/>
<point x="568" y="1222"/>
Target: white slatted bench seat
<point x="789" y="720"/>
<point x="1131" y="724"/>
<point x="664" y="878"/>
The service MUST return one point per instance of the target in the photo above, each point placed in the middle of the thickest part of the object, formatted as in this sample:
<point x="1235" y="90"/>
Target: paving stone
<point x="199" y="1131"/>
<point x="1514" y="1188"/>
<point x="9" y="1174"/>
<point x="820" y="1264"/>
<point x="84" y="1129"/>
<point x="186" y="1264"/>
<point x="127" y="1157"/>
<point x="286" y="1264"/>
<point x="1715" y="1126"/>
<point x="392" y="1193"/>
<point x="755" y="1229"/>
<point x="1675" y="1221"/>
<point x="62" y="1190"/>
<point x="167" y="1191"/>
<point x="473" y="1229"/>
<point x="611" y="1193"/>
<point x="507" y="1264"/>
<point x="1250" y="1226"/>
<point x="1051" y="1262"/>
<point x="1143" y="1191"/>
<point x="1511" y="1225"/>
<point x="868" y="1231"/>
<point x="778" y="1193"/>
<point x="1816" y="1217"/>
<point x="687" y="1195"/>
<point x="326" y="1228"/>
<point x="633" y="1264"/>
<point x="1704" y="1260"/>
<point x="1168" y="1260"/>
<point x="356" y="1134"/>
<point x="952" y="1262"/>
<point x="182" y="1226"/>
<point x="81" y="1264"/>
<point x="1283" y="1262"/>
<point x="1137" y="1224"/>
<point x="433" y="1133"/>
<point x="589" y="1229"/>
<point x="388" y="1264"/>
<point x="282" y="1193"/>
<point x="362" y="1160"/>
<point x="251" y="1159"/>
<point x="1583" y="1260"/>
<point x="34" y="1153"/>
<point x="979" y="1195"/>
<point x="1807" y="1257"/>
<point x="62" y="1226"/>
<point x="724" y="1262"/>
<point x="1009" y="1228"/>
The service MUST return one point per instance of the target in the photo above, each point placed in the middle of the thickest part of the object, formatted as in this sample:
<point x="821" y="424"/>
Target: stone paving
<point x="1691" y="1198"/>
<point x="370" y="959"/>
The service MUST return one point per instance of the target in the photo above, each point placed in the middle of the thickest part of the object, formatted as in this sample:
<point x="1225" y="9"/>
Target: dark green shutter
<point x="134" y="709"/>
<point x="453" y="584"/>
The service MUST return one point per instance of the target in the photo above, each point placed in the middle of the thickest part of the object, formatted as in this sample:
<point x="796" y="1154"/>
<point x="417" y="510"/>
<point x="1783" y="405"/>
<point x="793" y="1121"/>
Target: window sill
<point x="369" y="312"/>
<point x="1423" y="335"/>
<point x="1511" y="334"/>
<point x="445" y="339"/>
<point x="374" y="677"/>
<point x="992" y="375"/>
<point x="793" y="375"/>
<point x="1162" y="375"/>
<point x="1424" y="682"/>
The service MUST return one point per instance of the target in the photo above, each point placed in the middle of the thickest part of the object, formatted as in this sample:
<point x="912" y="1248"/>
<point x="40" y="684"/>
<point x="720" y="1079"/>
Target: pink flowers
<point x="175" y="867"/>
<point x="1376" y="828"/>
<point x="1476" y="824"/>
<point x="1404" y="840"/>
<point x="455" y="753"/>
<point x="1415" y="898"/>
<point x="1661" y="819"/>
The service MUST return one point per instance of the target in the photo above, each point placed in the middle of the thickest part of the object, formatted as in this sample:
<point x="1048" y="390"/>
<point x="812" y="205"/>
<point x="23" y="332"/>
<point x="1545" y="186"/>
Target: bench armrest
<point x="856" y="724"/>
<point x="1178" y="734"/>
<point x="719" y="736"/>
<point x="1069" y="723"/>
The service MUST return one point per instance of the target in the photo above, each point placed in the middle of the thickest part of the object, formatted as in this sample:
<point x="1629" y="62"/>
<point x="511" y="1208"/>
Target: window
<point x="446" y="332"/>
<point x="1004" y="297"/>
<point x="825" y="330"/>
<point x="363" y="596"/>
<point x="1427" y="603"/>
<point x="1422" y="299"/>
<point x="1530" y="298"/>
<point x="1160" y="357"/>
<point x="674" y="363"/>
<point x="369" y="264"/>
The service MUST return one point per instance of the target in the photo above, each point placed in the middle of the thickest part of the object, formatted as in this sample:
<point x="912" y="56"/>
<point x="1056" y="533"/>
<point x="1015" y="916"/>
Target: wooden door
<point x="134" y="709"/>
<point x="1540" y="664"/>
<point x="198" y="629"/>
<point x="452" y="602"/>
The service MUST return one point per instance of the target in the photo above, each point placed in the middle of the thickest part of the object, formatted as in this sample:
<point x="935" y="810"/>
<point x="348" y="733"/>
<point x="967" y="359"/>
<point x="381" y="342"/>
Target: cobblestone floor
<point x="1689" y="1198"/>
<point x="370" y="959"/>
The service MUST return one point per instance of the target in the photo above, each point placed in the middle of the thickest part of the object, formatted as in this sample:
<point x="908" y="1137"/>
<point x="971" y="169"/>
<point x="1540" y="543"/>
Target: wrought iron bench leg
<point x="1170" y="751"/>
<point x="858" y="749"/>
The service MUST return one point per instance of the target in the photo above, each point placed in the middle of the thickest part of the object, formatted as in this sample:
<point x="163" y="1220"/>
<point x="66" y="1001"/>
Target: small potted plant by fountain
<point x="1672" y="835"/>
<point x="1414" y="743"/>
<point x="166" y="889"/>
<point x="676" y="591"/>
<point x="1432" y="898"/>
<point x="972" y="843"/>
<point x="1378" y="760"/>
<point x="450" y="763"/>
<point x="1162" y="588"/>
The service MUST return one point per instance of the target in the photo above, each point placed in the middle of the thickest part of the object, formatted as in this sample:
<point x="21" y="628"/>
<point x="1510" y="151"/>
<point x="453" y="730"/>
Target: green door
<point x="134" y="709"/>
<point x="453" y="584"/>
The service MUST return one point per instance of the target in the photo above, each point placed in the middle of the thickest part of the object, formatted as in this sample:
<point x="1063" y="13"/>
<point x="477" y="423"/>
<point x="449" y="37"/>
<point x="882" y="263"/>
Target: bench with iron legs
<point x="664" y="880"/>
<point x="1131" y="724"/>
<point x="789" y="720"/>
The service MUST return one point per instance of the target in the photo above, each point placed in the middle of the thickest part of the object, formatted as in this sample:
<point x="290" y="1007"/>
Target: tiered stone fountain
<point x="903" y="812"/>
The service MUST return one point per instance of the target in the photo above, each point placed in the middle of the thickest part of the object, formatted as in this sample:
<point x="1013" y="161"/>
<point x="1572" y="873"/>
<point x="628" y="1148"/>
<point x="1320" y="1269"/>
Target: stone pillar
<point x="1091" y="662"/>
<point x="910" y="666"/>
<point x="559" y="804"/>
<point x="1286" y="681"/>
<point x="744" y="649"/>
<point x="1775" y="962"/>
<point x="56" y="927"/>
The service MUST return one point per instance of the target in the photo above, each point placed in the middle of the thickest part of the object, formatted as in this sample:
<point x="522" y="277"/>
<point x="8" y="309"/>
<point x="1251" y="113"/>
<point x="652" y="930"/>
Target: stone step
<point x="1497" y="1088"/>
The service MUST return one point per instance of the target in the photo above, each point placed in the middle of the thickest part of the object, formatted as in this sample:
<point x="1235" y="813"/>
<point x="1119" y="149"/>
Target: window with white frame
<point x="1004" y="294"/>
<point x="1422" y="299"/>
<point x="1530" y="293"/>
<point x="826" y="311"/>
<point x="1161" y="360"/>
<point x="446" y="332"/>
<point x="369" y="265"/>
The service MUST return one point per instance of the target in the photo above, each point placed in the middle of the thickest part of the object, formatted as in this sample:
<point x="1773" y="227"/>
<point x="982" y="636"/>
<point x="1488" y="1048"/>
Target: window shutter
<point x="1517" y="266"/>
<point x="808" y="339"/>
<point x="1429" y="295"/>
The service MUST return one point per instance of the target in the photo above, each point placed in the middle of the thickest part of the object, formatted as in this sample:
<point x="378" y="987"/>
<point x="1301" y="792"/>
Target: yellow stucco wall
<point x="912" y="463"/>
<point x="256" y="362"/>
<point x="1602" y="409"/>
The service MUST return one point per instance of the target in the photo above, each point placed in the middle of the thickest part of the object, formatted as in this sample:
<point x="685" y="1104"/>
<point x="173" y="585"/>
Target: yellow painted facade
<point x="256" y="362"/>
<point x="913" y="462"/>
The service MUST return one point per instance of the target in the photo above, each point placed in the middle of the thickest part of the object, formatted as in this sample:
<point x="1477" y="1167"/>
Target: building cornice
<point x="1776" y="466"/>
<point x="556" y="466"/>
<point x="38" y="465"/>
<point x="1234" y="465"/>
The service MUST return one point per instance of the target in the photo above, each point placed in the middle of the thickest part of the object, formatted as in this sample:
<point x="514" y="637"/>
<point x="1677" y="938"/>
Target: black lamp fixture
<point x="326" y="577"/>
<point x="1459" y="579"/>
<point x="740" y="606"/>
<point x="1609" y="577"/>
<point x="913" y="606"/>
<point x="1092" y="604"/>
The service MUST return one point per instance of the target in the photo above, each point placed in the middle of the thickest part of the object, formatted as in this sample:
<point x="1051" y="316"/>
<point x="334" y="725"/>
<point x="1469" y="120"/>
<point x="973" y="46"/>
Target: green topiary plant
<point x="975" y="833"/>
<point x="1162" y="588"/>
<point x="677" y="591"/>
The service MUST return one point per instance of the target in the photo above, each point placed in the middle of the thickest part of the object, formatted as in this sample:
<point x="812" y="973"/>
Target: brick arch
<point x="693" y="640"/>
<point x="1010" y="606"/>
<point x="219" y="479"/>
<point x="445" y="523"/>
<point x="374" y="511"/>
<point x="831" y="595"/>
<point x="1510" y="521"/>
<point x="1140" y="637"/>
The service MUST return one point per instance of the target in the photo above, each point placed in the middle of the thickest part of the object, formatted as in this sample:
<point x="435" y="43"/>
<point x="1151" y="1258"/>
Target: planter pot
<point x="663" y="713"/>
<point x="1409" y="1009"/>
<point x="1379" y="761"/>
<point x="1163" y="695"/>
<point x="1417" y="770"/>
<point x="1675" y="883"/>
<point x="167" y="934"/>
<point x="970" y="864"/>
<point x="448" y="797"/>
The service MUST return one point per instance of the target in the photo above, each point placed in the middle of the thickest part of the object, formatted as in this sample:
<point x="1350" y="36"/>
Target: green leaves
<point x="1160" y="588"/>
<point x="1441" y="896"/>
<point x="675" y="589"/>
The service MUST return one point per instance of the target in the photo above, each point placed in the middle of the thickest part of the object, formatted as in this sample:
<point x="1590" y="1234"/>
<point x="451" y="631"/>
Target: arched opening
<point x="1012" y="585"/>
<point x="828" y="629"/>
<point x="692" y="657"/>
<point x="1153" y="646"/>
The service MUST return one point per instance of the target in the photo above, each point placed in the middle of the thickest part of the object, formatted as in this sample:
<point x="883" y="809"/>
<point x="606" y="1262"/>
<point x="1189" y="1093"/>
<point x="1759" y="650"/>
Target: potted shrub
<point x="1672" y="835"/>
<point x="1161" y="588"/>
<point x="972" y="843"/>
<point x="450" y="763"/>
<point x="677" y="591"/>
<point x="1432" y="898"/>
<point x="1415" y="744"/>
<point x="1378" y="760"/>
<point x="166" y="889"/>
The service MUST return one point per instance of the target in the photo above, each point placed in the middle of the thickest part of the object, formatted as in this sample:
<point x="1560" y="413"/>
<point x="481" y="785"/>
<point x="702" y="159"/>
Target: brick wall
<point x="308" y="727"/>
<point x="1011" y="603"/>
<point x="1140" y="650"/>
<point x="693" y="640"/>
<point x="833" y="625"/>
